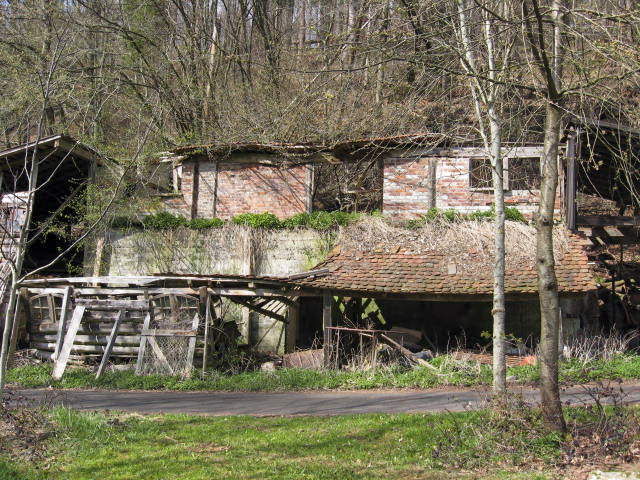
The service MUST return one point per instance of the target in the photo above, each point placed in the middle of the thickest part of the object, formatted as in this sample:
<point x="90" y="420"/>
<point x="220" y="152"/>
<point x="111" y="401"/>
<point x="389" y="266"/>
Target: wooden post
<point x="247" y="269"/>
<point x="431" y="183"/>
<point x="571" y="182"/>
<point x="214" y="203"/>
<point x="143" y="338"/>
<point x="62" y="323"/>
<point x="97" y="261"/>
<point x="61" y="362"/>
<point x="204" y="297"/>
<point x="195" y="186"/>
<point x="327" y="321"/>
<point x="293" y="317"/>
<point x="110" y="343"/>
<point x="192" y="344"/>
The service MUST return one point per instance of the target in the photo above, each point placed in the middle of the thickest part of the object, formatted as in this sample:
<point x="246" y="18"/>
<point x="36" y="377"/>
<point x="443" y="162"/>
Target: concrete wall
<point x="410" y="189"/>
<point x="232" y="250"/>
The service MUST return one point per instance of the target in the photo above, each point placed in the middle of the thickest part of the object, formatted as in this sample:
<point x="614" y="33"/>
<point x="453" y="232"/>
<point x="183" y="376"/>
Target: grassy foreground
<point x="430" y="446"/>
<point x="449" y="372"/>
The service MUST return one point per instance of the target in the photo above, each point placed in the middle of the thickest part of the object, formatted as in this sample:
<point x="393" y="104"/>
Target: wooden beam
<point x="604" y="220"/>
<point x="62" y="324"/>
<point x="207" y="320"/>
<point x="571" y="182"/>
<point x="261" y="311"/>
<point x="195" y="186"/>
<point x="613" y="231"/>
<point x="293" y="318"/>
<point x="192" y="345"/>
<point x="61" y="362"/>
<point x="143" y="343"/>
<point x="110" y="343"/>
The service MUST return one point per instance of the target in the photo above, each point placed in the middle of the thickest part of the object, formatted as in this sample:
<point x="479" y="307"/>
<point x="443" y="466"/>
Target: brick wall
<point x="407" y="192"/>
<point x="229" y="188"/>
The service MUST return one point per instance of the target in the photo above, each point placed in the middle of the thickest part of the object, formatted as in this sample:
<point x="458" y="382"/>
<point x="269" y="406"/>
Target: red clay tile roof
<point x="436" y="274"/>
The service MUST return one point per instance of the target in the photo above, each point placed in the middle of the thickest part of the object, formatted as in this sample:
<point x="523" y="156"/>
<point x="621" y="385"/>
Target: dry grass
<point x="470" y="242"/>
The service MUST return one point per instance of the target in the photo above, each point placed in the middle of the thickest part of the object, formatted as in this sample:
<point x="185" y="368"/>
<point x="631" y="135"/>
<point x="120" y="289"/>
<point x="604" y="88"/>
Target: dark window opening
<point x="524" y="173"/>
<point x="480" y="173"/>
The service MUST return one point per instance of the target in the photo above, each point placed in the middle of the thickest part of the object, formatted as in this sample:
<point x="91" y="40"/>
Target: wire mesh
<point x="169" y="354"/>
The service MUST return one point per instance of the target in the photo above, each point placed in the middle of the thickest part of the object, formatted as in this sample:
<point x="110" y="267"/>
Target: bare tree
<point x="546" y="45"/>
<point x="487" y="82"/>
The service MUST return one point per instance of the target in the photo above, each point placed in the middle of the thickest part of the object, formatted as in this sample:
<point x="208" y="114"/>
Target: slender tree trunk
<point x="498" y="311"/>
<point x="547" y="281"/>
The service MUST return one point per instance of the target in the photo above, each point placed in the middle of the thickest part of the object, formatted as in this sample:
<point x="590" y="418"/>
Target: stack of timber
<point x="50" y="302"/>
<point x="90" y="342"/>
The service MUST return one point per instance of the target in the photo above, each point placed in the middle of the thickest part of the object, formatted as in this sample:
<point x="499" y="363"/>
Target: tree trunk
<point x="547" y="281"/>
<point x="498" y="311"/>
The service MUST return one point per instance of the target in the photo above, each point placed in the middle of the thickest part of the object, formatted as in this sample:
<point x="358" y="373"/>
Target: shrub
<point x="298" y="220"/>
<point x="257" y="220"/>
<point x="513" y="214"/>
<point x="321" y="220"/>
<point x="164" y="221"/>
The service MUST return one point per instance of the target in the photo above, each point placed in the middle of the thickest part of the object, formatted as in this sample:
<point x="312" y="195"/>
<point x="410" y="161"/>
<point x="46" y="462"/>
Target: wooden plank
<point x="613" y="231"/>
<point x="143" y="341"/>
<point x="192" y="344"/>
<point x="110" y="343"/>
<point x="111" y="304"/>
<point x="207" y="320"/>
<point x="293" y="318"/>
<point x="310" y="273"/>
<point x="102" y="338"/>
<point x="327" y="322"/>
<point x="52" y="308"/>
<point x="407" y="353"/>
<point x="225" y="291"/>
<point x="158" y="351"/>
<point x="90" y="349"/>
<point x="61" y="362"/>
<point x="571" y="182"/>
<point x="62" y="324"/>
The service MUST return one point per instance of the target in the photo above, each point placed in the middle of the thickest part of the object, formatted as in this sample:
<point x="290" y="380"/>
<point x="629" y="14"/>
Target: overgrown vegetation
<point x="450" y="372"/>
<point x="507" y="442"/>
<point x="451" y="215"/>
<point x="318" y="220"/>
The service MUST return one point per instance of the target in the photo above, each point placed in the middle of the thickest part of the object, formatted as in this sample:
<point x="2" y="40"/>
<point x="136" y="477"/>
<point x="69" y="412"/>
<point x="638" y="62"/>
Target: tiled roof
<point x="436" y="273"/>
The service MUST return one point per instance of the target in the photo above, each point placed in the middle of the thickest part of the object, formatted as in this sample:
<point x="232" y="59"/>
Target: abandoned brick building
<point x="405" y="176"/>
<point x="401" y="176"/>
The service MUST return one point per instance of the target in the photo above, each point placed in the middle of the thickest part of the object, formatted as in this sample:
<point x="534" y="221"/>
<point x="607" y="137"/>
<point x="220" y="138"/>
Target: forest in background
<point x="181" y="72"/>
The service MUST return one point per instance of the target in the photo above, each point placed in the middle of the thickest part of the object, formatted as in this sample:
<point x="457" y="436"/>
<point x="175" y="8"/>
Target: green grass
<point x="453" y="373"/>
<point x="430" y="446"/>
<point x="621" y="366"/>
<point x="37" y="376"/>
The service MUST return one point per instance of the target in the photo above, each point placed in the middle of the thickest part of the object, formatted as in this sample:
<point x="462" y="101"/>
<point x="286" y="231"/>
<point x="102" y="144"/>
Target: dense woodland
<point x="177" y="72"/>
